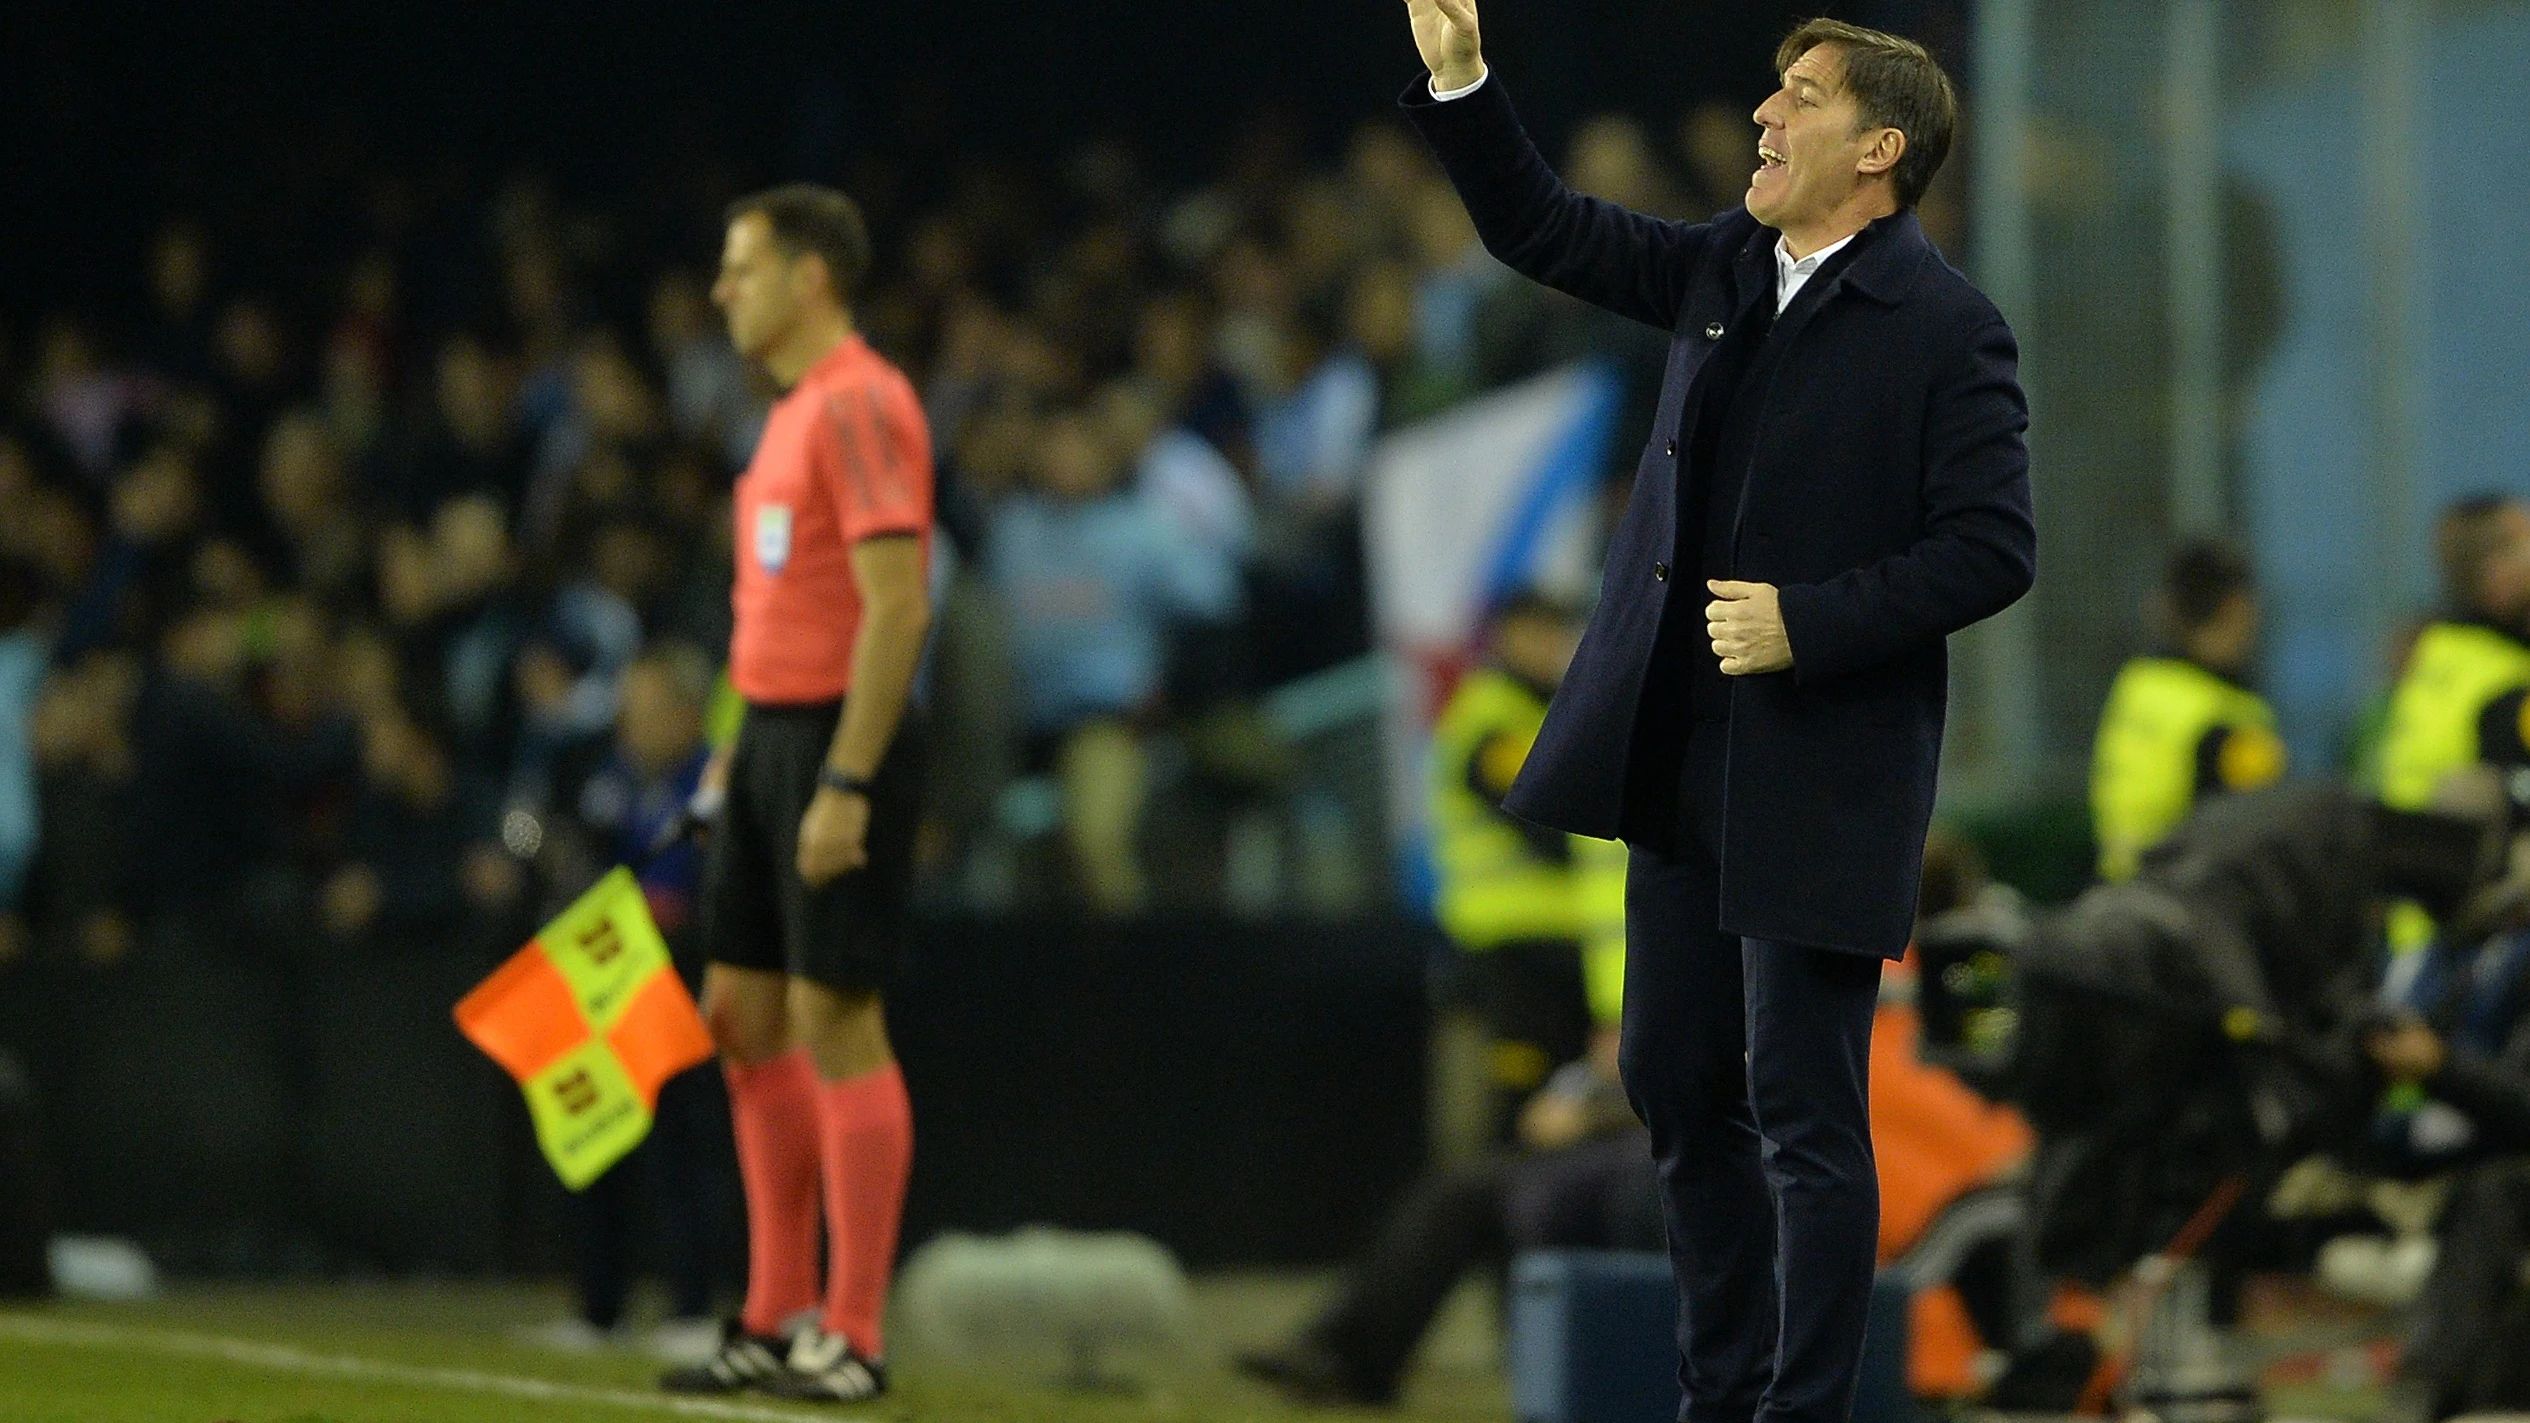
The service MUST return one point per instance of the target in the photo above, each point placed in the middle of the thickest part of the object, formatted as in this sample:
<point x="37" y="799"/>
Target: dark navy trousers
<point x="1749" y="1060"/>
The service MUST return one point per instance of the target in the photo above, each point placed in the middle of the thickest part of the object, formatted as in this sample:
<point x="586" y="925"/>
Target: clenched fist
<point x="1445" y="31"/>
<point x="1745" y="621"/>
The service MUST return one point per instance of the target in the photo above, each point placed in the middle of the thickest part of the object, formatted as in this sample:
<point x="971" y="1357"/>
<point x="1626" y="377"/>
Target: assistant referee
<point x="804" y="898"/>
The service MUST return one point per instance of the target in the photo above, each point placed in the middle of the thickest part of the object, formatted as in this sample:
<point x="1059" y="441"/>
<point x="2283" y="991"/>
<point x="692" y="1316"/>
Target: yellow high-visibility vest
<point x="1601" y="888"/>
<point x="2144" y="764"/>
<point x="1497" y="884"/>
<point x="2455" y="671"/>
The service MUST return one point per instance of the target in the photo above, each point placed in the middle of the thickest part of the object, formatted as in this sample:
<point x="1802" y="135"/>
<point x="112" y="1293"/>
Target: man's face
<point x="1811" y="144"/>
<point x="2230" y="636"/>
<point x="1536" y="648"/>
<point x="759" y="287"/>
<point x="1074" y="459"/>
<point x="658" y="726"/>
<point x="2505" y="583"/>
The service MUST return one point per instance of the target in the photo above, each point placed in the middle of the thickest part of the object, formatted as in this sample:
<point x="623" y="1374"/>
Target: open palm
<point x="1446" y="33"/>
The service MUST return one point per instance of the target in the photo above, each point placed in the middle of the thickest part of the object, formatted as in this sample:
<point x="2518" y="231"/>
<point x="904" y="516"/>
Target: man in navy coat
<point x="1838" y="473"/>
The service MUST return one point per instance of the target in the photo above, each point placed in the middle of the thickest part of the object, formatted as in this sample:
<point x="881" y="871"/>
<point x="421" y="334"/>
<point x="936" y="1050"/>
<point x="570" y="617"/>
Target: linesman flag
<point x="591" y="1019"/>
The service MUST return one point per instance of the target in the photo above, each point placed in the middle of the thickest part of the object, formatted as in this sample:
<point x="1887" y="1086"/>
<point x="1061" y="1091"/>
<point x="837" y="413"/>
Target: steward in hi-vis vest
<point x="2179" y="728"/>
<point x="2459" y="702"/>
<point x="2461" y="698"/>
<point x="1502" y="880"/>
<point x="1520" y="900"/>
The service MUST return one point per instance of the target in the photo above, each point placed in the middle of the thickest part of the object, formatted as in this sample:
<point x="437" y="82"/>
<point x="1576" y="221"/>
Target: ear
<point x="809" y="275"/>
<point x="1883" y="154"/>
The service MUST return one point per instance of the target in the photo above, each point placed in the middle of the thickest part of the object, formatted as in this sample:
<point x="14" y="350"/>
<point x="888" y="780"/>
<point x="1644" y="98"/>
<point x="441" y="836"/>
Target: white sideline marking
<point x="281" y="1358"/>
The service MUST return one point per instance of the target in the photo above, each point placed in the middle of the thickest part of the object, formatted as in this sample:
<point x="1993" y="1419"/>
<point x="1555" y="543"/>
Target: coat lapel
<point x="1887" y="264"/>
<point x="1880" y="265"/>
<point x="1753" y="273"/>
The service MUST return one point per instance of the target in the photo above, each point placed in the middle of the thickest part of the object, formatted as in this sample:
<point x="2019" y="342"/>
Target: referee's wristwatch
<point x="829" y="778"/>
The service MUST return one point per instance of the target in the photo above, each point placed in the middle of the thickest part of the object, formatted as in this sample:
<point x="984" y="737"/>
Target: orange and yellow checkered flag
<point x="591" y="1019"/>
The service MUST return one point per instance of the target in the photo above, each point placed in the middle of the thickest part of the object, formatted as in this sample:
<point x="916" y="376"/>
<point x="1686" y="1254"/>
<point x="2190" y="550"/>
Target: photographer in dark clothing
<point x="2458" y="1064"/>
<point x="2206" y="1020"/>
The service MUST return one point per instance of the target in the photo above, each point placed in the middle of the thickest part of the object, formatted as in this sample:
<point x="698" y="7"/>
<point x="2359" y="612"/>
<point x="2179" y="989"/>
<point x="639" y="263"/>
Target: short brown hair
<point x="810" y="220"/>
<point x="2202" y="577"/>
<point x="1897" y="84"/>
<point x="2468" y="537"/>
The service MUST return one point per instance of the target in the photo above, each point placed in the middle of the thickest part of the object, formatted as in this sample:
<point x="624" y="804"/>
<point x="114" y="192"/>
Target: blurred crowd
<point x="331" y="542"/>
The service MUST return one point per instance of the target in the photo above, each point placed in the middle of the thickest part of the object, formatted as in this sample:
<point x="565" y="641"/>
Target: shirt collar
<point x="1807" y="266"/>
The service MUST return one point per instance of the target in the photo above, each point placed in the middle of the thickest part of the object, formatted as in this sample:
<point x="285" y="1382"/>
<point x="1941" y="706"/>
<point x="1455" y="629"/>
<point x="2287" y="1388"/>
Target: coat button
<point x="1660" y="573"/>
<point x="1670" y="449"/>
<point x="1713" y="332"/>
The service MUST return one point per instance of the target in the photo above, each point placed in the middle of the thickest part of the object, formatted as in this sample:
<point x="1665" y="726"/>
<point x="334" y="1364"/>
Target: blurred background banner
<point x="1458" y="513"/>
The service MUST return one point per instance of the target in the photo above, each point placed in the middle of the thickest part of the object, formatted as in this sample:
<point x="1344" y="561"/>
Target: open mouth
<point x="1769" y="161"/>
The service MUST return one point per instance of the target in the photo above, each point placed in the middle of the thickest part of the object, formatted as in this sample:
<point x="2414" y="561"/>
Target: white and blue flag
<point x="1459" y="512"/>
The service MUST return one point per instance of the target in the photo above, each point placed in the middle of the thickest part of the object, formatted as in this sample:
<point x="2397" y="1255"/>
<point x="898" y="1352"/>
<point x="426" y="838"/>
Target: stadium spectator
<point x="174" y="341"/>
<point x="357" y="368"/>
<point x="568" y="671"/>
<point x="137" y="583"/>
<point x="1095" y="578"/>
<point x="1457" y="276"/>
<point x="1313" y="436"/>
<point x="1379" y="321"/>
<point x="1183" y="474"/>
<point x="253" y="379"/>
<point x="90" y="408"/>
<point x="451" y="601"/>
<point x="423" y="870"/>
<point x="634" y="812"/>
<point x="710" y="402"/>
<point x="463" y="440"/>
<point x="21" y="671"/>
<point x="319" y="539"/>
<point x="1713" y="138"/>
<point x="79" y="886"/>
<point x="606" y="414"/>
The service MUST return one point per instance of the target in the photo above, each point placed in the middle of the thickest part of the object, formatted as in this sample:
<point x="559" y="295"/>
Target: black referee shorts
<point x="757" y="913"/>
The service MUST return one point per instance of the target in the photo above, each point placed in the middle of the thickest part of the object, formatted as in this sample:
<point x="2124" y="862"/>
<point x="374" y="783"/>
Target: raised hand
<point x="1453" y="49"/>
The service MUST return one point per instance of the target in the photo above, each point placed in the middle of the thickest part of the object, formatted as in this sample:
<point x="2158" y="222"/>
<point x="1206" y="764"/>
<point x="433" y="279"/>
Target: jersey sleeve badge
<point x="773" y="537"/>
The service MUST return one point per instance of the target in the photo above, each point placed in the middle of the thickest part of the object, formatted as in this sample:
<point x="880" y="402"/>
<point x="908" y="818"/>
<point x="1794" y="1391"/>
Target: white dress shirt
<point x="1790" y="276"/>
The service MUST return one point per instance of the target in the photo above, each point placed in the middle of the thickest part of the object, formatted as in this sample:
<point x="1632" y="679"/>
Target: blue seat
<point x="1594" y="1333"/>
<point x="1594" y="1337"/>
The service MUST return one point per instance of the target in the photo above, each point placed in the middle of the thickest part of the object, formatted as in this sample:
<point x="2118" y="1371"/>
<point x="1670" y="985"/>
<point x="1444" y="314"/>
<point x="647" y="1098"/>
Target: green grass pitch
<point x="442" y="1353"/>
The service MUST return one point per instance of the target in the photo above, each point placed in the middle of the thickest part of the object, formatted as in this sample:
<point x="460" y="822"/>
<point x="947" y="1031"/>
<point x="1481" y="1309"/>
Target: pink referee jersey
<point x="846" y="456"/>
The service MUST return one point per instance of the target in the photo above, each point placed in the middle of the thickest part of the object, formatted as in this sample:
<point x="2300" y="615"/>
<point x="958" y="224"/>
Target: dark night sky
<point x="113" y="111"/>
